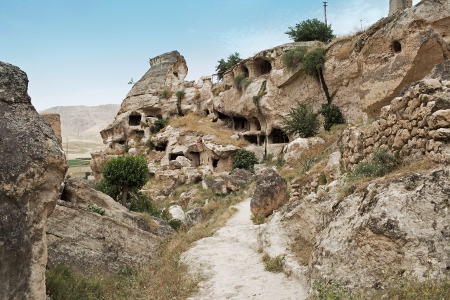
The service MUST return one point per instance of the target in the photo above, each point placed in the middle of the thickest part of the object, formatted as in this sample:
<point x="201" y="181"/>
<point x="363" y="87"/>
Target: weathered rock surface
<point x="401" y="225"/>
<point x="269" y="194"/>
<point x="91" y="242"/>
<point x="32" y="169"/>
<point x="236" y="179"/>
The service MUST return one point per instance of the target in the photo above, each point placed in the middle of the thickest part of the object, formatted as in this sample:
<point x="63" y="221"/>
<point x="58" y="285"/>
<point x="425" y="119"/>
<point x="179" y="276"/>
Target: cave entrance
<point x="277" y="136"/>
<point x="396" y="46"/>
<point x="195" y="159"/>
<point x="265" y="67"/>
<point x="161" y="147"/>
<point x="173" y="156"/>
<point x="215" y="163"/>
<point x="252" y="139"/>
<point x="134" y="120"/>
<point x="241" y="124"/>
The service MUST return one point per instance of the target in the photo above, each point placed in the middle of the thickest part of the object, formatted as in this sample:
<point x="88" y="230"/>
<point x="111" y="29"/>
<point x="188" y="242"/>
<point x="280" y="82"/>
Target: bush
<point x="94" y="208"/>
<point x="240" y="81"/>
<point x="302" y="121"/>
<point x="274" y="265"/>
<point x="158" y="125"/>
<point x="108" y="189"/>
<point x="311" y="30"/>
<point x="332" y="115"/>
<point x="245" y="160"/>
<point x="166" y="94"/>
<point x="292" y="58"/>
<point x="225" y="65"/>
<point x="180" y="96"/>
<point x="380" y="163"/>
<point x="313" y="61"/>
<point x="63" y="284"/>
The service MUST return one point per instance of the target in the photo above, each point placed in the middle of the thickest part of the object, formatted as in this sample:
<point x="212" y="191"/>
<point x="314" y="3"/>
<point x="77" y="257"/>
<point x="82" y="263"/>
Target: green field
<point x="78" y="162"/>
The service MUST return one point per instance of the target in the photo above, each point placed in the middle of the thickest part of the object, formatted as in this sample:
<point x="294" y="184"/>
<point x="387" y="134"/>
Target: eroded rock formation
<point x="32" y="169"/>
<point x="270" y="192"/>
<point x="80" y="237"/>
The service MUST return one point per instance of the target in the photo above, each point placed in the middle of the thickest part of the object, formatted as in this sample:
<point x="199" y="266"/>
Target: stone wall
<point x="416" y="124"/>
<point x="55" y="122"/>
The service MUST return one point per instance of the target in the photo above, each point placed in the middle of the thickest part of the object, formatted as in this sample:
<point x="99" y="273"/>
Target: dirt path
<point x="232" y="264"/>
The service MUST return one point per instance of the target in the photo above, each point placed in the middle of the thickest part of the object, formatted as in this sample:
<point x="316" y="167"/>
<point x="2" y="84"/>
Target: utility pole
<point x="326" y="25"/>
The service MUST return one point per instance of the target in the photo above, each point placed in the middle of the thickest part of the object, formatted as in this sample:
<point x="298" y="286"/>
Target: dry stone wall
<point x="416" y="124"/>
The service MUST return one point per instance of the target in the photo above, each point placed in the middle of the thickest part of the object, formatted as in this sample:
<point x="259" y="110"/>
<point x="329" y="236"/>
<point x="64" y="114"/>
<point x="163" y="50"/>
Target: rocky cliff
<point x="31" y="171"/>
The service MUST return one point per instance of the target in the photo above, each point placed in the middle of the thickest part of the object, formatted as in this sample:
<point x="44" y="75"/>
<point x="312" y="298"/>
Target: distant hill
<point x="81" y="126"/>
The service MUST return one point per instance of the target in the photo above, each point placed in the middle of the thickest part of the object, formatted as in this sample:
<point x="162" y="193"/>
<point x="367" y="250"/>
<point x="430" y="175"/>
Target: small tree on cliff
<point x="129" y="172"/>
<point x="313" y="63"/>
<point x="311" y="30"/>
<point x="227" y="64"/>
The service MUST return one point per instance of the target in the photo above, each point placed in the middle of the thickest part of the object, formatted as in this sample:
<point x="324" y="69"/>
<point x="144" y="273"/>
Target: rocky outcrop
<point x="416" y="124"/>
<point x="55" y="123"/>
<point x="32" y="169"/>
<point x="81" y="237"/>
<point x="400" y="225"/>
<point x="270" y="192"/>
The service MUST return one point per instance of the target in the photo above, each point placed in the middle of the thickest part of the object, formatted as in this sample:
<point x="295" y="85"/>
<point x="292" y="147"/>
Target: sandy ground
<point x="233" y="267"/>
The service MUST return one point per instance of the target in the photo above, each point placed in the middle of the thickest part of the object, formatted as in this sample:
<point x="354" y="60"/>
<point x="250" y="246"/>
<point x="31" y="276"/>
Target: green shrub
<point x="175" y="224"/>
<point x="64" y="284"/>
<point x="332" y="115"/>
<point x="275" y="264"/>
<point x="108" y="189"/>
<point x="311" y="30"/>
<point x="322" y="179"/>
<point x="380" y="163"/>
<point x="302" y="120"/>
<point x="330" y="291"/>
<point x="292" y="58"/>
<point x="158" y="125"/>
<point x="223" y="65"/>
<point x="313" y="62"/>
<point x="94" y="208"/>
<point x="166" y="94"/>
<point x="241" y="82"/>
<point x="244" y="159"/>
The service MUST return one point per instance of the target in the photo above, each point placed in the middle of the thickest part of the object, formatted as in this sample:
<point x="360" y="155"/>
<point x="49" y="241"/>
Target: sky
<point x="84" y="52"/>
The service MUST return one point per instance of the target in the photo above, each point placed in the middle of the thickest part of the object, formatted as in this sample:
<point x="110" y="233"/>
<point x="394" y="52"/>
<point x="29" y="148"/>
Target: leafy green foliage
<point x="64" y="284"/>
<point x="244" y="159"/>
<point x="292" y="58"/>
<point x="332" y="115"/>
<point x="302" y="120"/>
<point x="158" y="125"/>
<point x="126" y="173"/>
<point x="380" y="163"/>
<point x="180" y="96"/>
<point x="166" y="94"/>
<point x="227" y="64"/>
<point x="78" y="162"/>
<point x="311" y="30"/>
<point x="109" y="189"/>
<point x="313" y="62"/>
<point x="94" y="208"/>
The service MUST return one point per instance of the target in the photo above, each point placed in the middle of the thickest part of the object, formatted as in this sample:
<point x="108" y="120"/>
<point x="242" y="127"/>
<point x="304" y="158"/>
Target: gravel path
<point x="232" y="264"/>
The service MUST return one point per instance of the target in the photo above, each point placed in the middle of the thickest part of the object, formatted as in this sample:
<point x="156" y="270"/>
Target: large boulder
<point x="270" y="192"/>
<point x="236" y="179"/>
<point x="84" y="239"/>
<point x="32" y="169"/>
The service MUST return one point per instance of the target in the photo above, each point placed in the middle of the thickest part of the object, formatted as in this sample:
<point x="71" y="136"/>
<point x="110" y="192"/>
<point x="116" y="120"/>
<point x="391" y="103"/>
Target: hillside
<point x="80" y="126"/>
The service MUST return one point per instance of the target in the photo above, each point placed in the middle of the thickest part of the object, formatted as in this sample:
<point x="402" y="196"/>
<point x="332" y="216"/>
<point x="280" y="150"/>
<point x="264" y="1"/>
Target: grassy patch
<point x="63" y="283"/>
<point x="195" y="122"/>
<point x="78" y="162"/>
<point x="273" y="264"/>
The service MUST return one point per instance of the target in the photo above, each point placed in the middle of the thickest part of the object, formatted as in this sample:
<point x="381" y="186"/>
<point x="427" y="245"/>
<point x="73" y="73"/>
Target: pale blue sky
<point x="84" y="52"/>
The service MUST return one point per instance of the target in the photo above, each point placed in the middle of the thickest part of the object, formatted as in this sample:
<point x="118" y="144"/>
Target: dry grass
<point x="302" y="248"/>
<point x="195" y="122"/>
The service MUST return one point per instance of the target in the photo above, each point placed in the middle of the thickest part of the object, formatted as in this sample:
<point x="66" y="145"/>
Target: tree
<point x="129" y="172"/>
<point x="302" y="120"/>
<point x="312" y="64"/>
<point x="223" y="65"/>
<point x="311" y="30"/>
<point x="180" y="96"/>
<point x="332" y="115"/>
<point x="245" y="160"/>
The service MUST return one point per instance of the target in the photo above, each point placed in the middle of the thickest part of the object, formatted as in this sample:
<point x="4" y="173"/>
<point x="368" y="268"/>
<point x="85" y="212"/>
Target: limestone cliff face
<point x="363" y="73"/>
<point x="32" y="169"/>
